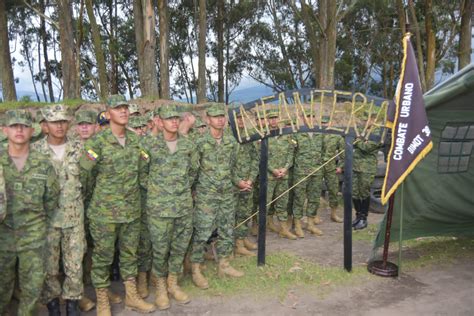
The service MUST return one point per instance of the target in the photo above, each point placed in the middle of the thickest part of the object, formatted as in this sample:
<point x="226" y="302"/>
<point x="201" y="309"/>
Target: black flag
<point x="411" y="136"/>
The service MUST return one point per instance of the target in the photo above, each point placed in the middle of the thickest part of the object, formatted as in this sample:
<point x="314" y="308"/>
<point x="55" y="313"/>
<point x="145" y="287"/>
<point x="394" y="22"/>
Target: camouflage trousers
<point x="212" y="211"/>
<point x="361" y="182"/>
<point x="244" y="209"/>
<point x="275" y="187"/>
<point x="332" y="183"/>
<point x="144" y="252"/>
<point x="104" y="236"/>
<point x="70" y="243"/>
<point x="171" y="238"/>
<point x="31" y="278"/>
<point x="310" y="190"/>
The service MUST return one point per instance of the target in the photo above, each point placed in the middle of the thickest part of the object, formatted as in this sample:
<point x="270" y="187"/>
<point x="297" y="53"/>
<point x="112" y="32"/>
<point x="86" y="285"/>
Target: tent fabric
<point x="436" y="202"/>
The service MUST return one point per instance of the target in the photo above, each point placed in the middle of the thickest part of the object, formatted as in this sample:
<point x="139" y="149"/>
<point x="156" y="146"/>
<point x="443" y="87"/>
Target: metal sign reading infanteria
<point x="354" y="116"/>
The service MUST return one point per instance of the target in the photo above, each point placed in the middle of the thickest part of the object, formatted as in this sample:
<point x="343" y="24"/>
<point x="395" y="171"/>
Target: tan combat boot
<point x="114" y="298"/>
<point x="133" y="301"/>
<point x="241" y="250"/>
<point x="142" y="286"/>
<point x="250" y="245"/>
<point x="176" y="292"/>
<point x="312" y="229"/>
<point x="162" y="300"/>
<point x="271" y="224"/>
<point x="298" y="229"/>
<point x="254" y="228"/>
<point x="86" y="304"/>
<point x="334" y="216"/>
<point x="103" y="306"/>
<point x="226" y="269"/>
<point x="289" y="221"/>
<point x="198" y="279"/>
<point x="285" y="232"/>
<point x="317" y="220"/>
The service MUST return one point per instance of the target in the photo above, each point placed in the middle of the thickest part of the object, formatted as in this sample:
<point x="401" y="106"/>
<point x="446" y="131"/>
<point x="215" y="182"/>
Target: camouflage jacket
<point x="365" y="156"/>
<point x="247" y="162"/>
<point x="113" y="173"/>
<point x="3" y="196"/>
<point x="32" y="196"/>
<point x="281" y="151"/>
<point x="217" y="163"/>
<point x="308" y="154"/>
<point x="70" y="211"/>
<point x="332" y="144"/>
<point x="169" y="176"/>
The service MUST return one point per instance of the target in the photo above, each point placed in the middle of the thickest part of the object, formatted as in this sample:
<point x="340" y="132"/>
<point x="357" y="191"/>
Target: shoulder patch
<point x="91" y="155"/>
<point x="144" y="155"/>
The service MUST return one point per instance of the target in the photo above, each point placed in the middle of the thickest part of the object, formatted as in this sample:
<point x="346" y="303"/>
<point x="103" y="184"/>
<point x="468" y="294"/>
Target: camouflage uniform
<point x="66" y="225"/>
<point x="215" y="194"/>
<point x="308" y="157"/>
<point x="3" y="196"/>
<point x="32" y="195"/>
<point x="114" y="210"/>
<point x="332" y="144"/>
<point x="169" y="204"/>
<point x="364" y="168"/>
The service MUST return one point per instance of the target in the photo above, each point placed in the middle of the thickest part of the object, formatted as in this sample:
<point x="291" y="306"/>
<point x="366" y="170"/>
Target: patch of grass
<point x="367" y="234"/>
<point x="282" y="272"/>
<point x="4" y="106"/>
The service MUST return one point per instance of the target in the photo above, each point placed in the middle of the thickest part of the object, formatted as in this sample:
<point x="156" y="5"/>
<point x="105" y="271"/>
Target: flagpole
<point x="400" y="233"/>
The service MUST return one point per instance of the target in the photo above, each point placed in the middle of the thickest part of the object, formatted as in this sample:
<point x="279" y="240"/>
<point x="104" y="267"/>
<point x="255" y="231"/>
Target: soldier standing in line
<point x="332" y="144"/>
<point x="215" y="196"/>
<point x="86" y="121"/>
<point x="247" y="170"/>
<point x="65" y="234"/>
<point x="172" y="169"/>
<point x="114" y="157"/>
<point x="32" y="196"/>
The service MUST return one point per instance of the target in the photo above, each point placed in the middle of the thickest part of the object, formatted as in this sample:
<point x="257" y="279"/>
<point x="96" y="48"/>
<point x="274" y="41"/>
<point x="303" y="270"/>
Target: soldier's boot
<point x="153" y="280"/>
<point x="162" y="300"/>
<point x="198" y="279"/>
<point x="298" y="229"/>
<point x="72" y="308"/>
<point x="250" y="245"/>
<point x="285" y="232"/>
<point x="364" y="213"/>
<point x="289" y="221"/>
<point x="254" y="228"/>
<point x="312" y="228"/>
<point x="187" y="264"/>
<point x="103" y="305"/>
<point x="317" y="220"/>
<point x="133" y="301"/>
<point x="241" y="250"/>
<point x="356" y="203"/>
<point x="86" y="304"/>
<point x="142" y="286"/>
<point x="54" y="307"/>
<point x="113" y="297"/>
<point x="225" y="269"/>
<point x="334" y="217"/>
<point x="271" y="224"/>
<point x="176" y="292"/>
<point x="209" y="255"/>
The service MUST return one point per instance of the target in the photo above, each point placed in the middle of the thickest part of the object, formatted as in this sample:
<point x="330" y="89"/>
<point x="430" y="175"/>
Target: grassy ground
<point x="30" y="104"/>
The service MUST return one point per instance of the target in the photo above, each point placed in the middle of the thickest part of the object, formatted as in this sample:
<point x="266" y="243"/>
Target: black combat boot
<point x="357" y="208"/>
<point x="364" y="210"/>
<point x="72" y="308"/>
<point x="53" y="307"/>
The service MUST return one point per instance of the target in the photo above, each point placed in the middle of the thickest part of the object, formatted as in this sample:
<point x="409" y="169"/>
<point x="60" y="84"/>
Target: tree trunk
<point x="465" y="35"/>
<point x="401" y="16"/>
<point x="8" y="82"/>
<point x="331" y="44"/>
<point x="164" y="49"/>
<point x="201" y="91"/>
<point x="323" y="44"/>
<point x="312" y="38"/>
<point x="99" y="54"/>
<point x="419" y="50"/>
<point x="113" y="48"/>
<point x="68" y="50"/>
<point x="430" y="45"/>
<point x="44" y="40"/>
<point x="220" y="49"/>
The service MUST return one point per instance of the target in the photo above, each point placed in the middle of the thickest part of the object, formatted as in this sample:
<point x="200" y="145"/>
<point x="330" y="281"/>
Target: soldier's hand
<point x="243" y="186"/>
<point x="283" y="172"/>
<point x="338" y="170"/>
<point x="276" y="173"/>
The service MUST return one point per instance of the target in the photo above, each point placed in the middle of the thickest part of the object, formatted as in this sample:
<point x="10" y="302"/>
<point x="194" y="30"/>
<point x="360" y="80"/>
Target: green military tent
<point x="438" y="195"/>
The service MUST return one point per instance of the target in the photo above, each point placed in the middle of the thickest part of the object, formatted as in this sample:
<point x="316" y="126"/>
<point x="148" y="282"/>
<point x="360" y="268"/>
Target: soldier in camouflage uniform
<point x="332" y="144"/>
<point x="32" y="196"/>
<point x="308" y="156"/>
<point x="280" y="159"/>
<point x="172" y="169"/>
<point x="246" y="171"/>
<point x="66" y="225"/>
<point x="86" y="121"/>
<point x="115" y="157"/>
<point x="215" y="195"/>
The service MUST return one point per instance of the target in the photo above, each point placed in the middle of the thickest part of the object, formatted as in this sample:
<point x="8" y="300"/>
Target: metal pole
<point x="388" y="227"/>
<point x="262" y="198"/>
<point x="349" y="140"/>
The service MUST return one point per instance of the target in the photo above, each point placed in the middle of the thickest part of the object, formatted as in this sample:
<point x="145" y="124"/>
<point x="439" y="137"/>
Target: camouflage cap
<point x="325" y="119"/>
<point x="22" y="117"/>
<point x="102" y="119"/>
<point x="272" y="113"/>
<point x="86" y="116"/>
<point x="116" y="100"/>
<point x="134" y="108"/>
<point x="136" y="121"/>
<point x="57" y="112"/>
<point x="199" y="122"/>
<point x="149" y="116"/>
<point x="169" y="111"/>
<point x="39" y="116"/>
<point x="215" y="109"/>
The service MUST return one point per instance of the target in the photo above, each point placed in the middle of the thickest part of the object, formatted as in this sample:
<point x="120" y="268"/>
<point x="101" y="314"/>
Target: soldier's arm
<point x="144" y="164"/>
<point x="51" y="192"/>
<point x="194" y="164"/>
<point x="88" y="161"/>
<point x="292" y="145"/>
<point x="233" y="164"/>
<point x="254" y="163"/>
<point x="341" y="157"/>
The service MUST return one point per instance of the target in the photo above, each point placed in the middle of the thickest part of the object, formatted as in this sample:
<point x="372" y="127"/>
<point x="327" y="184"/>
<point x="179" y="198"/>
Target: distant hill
<point x="250" y="94"/>
<point x="31" y="94"/>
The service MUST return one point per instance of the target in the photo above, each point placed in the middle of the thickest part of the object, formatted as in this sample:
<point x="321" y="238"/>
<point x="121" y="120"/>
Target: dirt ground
<point x="439" y="290"/>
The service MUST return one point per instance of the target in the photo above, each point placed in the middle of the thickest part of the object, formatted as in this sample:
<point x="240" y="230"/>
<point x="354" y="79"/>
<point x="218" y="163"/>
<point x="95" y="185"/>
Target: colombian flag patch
<point x="92" y="155"/>
<point x="144" y="155"/>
